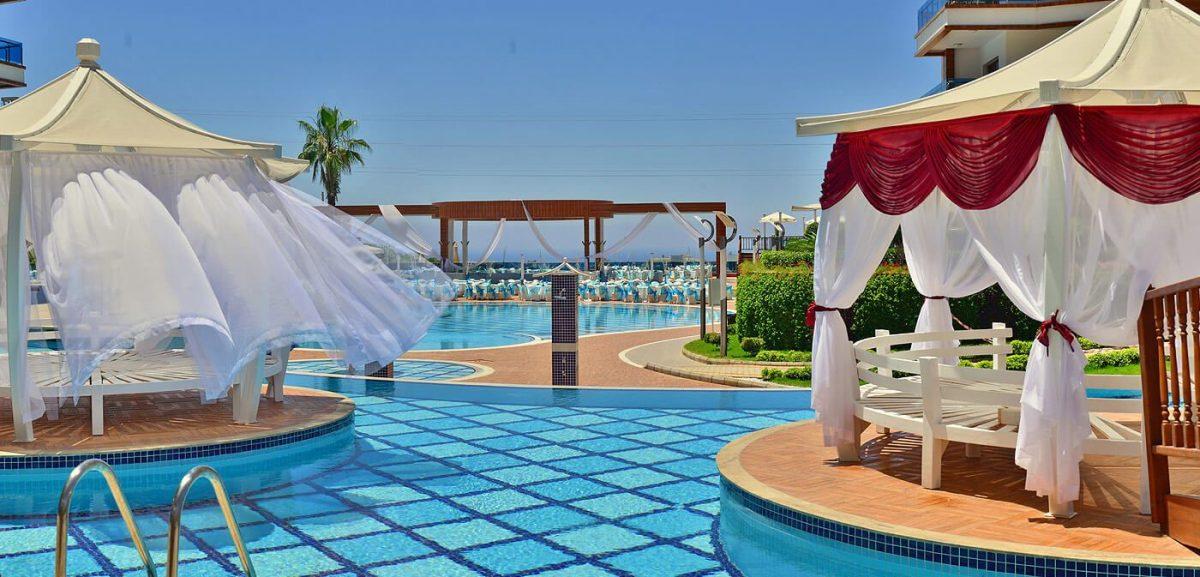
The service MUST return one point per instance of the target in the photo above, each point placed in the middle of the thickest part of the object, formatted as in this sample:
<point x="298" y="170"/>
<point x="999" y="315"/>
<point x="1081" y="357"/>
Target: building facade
<point x="976" y="37"/>
<point x="12" y="61"/>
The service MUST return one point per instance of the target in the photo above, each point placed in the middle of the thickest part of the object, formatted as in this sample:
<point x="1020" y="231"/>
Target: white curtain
<point x="944" y="263"/>
<point x="487" y="254"/>
<point x="691" y="230"/>
<point x="1052" y="251"/>
<point x="404" y="233"/>
<point x="637" y="230"/>
<point x="537" y="233"/>
<point x="132" y="247"/>
<point x="851" y="241"/>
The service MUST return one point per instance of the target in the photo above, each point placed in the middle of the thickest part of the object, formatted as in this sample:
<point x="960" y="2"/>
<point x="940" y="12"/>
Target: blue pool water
<point x="471" y="325"/>
<point x="453" y="481"/>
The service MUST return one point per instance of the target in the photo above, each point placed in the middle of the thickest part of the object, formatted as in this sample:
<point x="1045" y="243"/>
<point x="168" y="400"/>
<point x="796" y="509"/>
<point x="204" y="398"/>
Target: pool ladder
<point x="114" y="487"/>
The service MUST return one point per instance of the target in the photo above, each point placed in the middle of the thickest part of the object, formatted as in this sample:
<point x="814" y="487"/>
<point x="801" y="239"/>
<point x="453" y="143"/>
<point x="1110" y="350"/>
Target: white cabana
<point x="145" y="226"/>
<point x="1068" y="177"/>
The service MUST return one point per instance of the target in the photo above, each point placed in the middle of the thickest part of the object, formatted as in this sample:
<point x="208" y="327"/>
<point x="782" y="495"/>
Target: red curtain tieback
<point x="810" y="318"/>
<point x="1043" y="334"/>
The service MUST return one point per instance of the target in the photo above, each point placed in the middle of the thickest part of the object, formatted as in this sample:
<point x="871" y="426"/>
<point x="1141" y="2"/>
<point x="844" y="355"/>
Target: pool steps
<point x="177" y="504"/>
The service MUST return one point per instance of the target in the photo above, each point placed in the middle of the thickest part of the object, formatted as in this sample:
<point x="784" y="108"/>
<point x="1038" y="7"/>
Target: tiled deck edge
<point x="1014" y="558"/>
<point x="184" y="452"/>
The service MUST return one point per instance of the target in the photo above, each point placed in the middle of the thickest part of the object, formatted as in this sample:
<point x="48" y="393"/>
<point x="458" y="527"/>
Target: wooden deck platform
<point x="982" y="503"/>
<point x="163" y="420"/>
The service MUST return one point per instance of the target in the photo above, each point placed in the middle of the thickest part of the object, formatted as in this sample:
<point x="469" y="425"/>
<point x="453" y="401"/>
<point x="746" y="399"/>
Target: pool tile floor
<point x="448" y="489"/>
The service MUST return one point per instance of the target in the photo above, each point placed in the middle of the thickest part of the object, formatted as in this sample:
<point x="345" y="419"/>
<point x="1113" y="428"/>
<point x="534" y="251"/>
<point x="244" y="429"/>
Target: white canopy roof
<point x="777" y="217"/>
<point x="1132" y="52"/>
<point x="88" y="109"/>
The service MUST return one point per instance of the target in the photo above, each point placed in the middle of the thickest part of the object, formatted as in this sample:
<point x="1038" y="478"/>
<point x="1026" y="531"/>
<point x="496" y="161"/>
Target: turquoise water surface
<point x="471" y="325"/>
<point x="443" y="480"/>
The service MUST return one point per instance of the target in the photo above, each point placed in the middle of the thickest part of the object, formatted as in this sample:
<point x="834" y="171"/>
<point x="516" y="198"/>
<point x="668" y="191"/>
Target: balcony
<point x="947" y="85"/>
<point x="932" y="7"/>
<point x="12" y="64"/>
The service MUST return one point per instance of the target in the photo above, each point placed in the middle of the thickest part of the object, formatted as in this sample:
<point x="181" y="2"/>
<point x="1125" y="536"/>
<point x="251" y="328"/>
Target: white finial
<point x="88" y="51"/>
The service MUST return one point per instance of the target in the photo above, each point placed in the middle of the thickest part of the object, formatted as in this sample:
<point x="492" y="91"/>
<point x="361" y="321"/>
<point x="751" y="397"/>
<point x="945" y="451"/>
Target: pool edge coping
<point x="730" y="470"/>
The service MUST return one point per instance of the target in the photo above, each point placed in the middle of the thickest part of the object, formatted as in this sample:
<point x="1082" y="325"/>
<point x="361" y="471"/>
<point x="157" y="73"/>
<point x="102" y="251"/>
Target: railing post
<point x="932" y="447"/>
<point x="883" y="350"/>
<point x="999" y="360"/>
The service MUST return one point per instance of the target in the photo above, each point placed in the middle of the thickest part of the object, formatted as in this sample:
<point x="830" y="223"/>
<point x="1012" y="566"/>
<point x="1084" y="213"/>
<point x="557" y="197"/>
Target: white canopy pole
<point x="17" y="304"/>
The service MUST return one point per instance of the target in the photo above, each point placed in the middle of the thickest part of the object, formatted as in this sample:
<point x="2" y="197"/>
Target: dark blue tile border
<point x="174" y="453"/>
<point x="934" y="552"/>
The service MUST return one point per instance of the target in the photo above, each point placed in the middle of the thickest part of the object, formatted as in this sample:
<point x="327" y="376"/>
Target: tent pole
<point x="17" y="302"/>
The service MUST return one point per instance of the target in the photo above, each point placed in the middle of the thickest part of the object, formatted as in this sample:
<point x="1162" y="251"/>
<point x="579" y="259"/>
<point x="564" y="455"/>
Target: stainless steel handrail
<point x="185" y="485"/>
<point x="64" y="514"/>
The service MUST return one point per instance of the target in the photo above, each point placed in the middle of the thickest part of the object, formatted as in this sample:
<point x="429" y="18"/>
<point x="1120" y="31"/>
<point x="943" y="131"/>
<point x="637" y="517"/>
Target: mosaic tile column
<point x="564" y="328"/>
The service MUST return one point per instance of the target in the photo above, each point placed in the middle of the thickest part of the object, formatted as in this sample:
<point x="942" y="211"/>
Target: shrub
<point x="712" y="338"/>
<point x="1116" y="358"/>
<point x="1020" y="347"/>
<point x="782" y="258"/>
<point x="798" y="373"/>
<point x="769" y="373"/>
<point x="752" y="345"/>
<point x="1088" y="344"/>
<point x="985" y="364"/>
<point x="889" y="301"/>
<point x="772" y="304"/>
<point x="783" y="356"/>
<point x="1017" y="362"/>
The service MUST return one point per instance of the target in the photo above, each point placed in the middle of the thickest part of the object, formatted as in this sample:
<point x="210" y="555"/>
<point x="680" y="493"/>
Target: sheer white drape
<point x="537" y="233"/>
<point x="34" y="405"/>
<point x="851" y="241"/>
<point x="695" y="233"/>
<point x="133" y="246"/>
<point x="404" y="233"/>
<point x="1052" y="251"/>
<point x="491" y="248"/>
<point x="944" y="263"/>
<point x="637" y="230"/>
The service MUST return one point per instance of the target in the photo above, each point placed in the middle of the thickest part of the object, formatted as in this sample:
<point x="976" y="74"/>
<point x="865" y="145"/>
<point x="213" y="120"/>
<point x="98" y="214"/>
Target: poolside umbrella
<point x="1062" y="176"/>
<point x="144" y="224"/>
<point x="777" y="218"/>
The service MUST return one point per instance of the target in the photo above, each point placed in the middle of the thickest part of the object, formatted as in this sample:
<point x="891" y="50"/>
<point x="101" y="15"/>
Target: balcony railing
<point x="947" y="85"/>
<point x="11" y="52"/>
<point x="931" y="8"/>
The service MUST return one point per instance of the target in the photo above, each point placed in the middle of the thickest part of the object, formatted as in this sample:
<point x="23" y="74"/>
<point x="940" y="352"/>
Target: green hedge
<point x="771" y="305"/>
<point x="784" y="356"/>
<point x="1115" y="358"/>
<point x="772" y="302"/>
<point x="783" y="258"/>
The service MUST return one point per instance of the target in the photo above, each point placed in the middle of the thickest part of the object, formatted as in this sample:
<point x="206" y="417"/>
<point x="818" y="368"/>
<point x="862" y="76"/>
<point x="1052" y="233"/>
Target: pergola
<point x="592" y="213"/>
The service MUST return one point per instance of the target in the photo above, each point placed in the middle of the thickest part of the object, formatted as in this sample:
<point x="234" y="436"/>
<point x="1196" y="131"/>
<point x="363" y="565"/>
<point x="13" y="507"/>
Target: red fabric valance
<point x="1149" y="154"/>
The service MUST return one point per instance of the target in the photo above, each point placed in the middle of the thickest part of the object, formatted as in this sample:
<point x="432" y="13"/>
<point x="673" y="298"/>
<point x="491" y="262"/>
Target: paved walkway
<point x="599" y="361"/>
<point x="667" y="357"/>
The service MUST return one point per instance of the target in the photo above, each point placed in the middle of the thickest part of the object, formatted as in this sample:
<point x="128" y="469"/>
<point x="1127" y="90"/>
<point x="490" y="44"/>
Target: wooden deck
<point x="982" y="502"/>
<point x="137" y="422"/>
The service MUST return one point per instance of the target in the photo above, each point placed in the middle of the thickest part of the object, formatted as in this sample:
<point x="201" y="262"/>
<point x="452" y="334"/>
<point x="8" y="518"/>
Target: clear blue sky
<point x="622" y="100"/>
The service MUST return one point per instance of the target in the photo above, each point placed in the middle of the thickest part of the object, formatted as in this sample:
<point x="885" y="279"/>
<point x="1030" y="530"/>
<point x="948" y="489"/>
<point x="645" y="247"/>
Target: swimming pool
<point x="472" y="325"/>
<point x="457" y="481"/>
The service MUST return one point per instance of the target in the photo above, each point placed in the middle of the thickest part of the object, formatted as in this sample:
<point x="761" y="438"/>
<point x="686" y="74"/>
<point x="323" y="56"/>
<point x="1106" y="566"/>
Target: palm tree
<point x="331" y="149"/>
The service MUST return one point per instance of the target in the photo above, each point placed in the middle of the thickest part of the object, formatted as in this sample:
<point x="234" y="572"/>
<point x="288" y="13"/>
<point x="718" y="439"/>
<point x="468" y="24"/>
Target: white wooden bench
<point x="130" y="372"/>
<point x="911" y="391"/>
